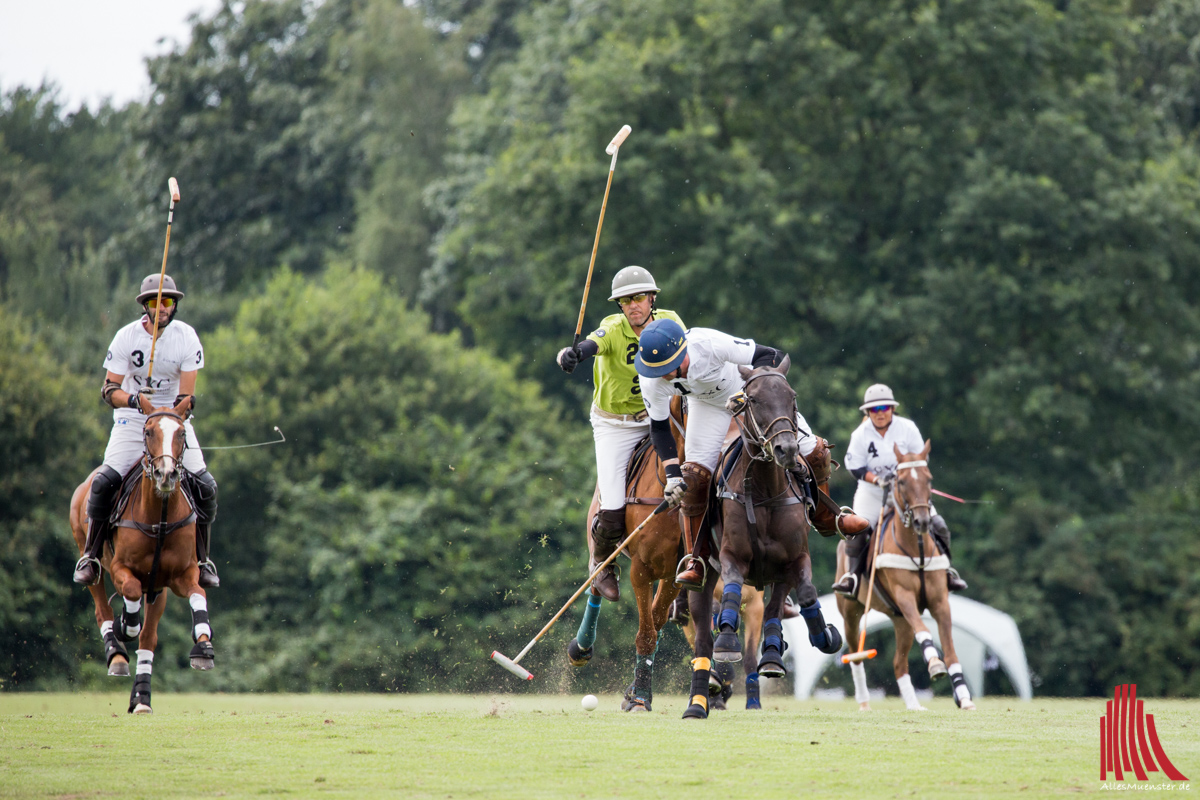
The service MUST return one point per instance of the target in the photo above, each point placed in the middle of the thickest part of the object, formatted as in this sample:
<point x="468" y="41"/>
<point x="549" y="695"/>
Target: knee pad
<point x="103" y="493"/>
<point x="204" y="490"/>
<point x="608" y="527"/>
<point x="695" y="500"/>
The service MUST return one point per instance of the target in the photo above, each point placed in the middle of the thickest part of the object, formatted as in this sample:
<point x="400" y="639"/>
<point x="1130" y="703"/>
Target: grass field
<point x="79" y="746"/>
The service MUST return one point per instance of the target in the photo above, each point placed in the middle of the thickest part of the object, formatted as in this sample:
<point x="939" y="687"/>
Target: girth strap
<point x="158" y="530"/>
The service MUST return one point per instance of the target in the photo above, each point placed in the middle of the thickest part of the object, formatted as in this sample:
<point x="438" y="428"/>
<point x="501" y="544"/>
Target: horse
<point x="153" y="547"/>
<point x="653" y="556"/>
<point x="762" y="533"/>
<point x="904" y="551"/>
<point x="720" y="682"/>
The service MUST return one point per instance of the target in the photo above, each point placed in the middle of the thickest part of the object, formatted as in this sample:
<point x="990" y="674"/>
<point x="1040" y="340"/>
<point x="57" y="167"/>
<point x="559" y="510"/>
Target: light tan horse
<point x="904" y="554"/>
<point x="653" y="556"/>
<point x="152" y="548"/>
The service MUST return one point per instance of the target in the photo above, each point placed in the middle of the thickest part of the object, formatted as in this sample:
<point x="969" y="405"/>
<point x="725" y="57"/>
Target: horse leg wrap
<point x="825" y="638"/>
<point x="904" y="682"/>
<point x="579" y="650"/>
<point x="861" y="693"/>
<point x="752" y="699"/>
<point x="731" y="606"/>
<point x="933" y="658"/>
<point x="112" y="645"/>
<point x="130" y="624"/>
<point x="200" y="626"/>
<point x="698" y="708"/>
<point x="961" y="693"/>
<point x="720" y="685"/>
<point x="141" y="682"/>
<point x="773" y="647"/>
<point x="641" y="693"/>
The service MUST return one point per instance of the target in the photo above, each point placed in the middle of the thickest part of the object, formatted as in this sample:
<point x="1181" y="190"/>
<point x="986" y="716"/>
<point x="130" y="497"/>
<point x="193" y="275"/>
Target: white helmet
<point x="877" y="395"/>
<point x="632" y="280"/>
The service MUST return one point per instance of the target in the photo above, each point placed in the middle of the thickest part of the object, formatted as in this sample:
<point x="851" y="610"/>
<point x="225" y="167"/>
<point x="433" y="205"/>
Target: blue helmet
<point x="661" y="348"/>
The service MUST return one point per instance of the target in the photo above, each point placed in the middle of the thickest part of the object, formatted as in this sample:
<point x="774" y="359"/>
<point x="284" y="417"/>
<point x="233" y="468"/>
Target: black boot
<point x="608" y="531"/>
<point x="204" y="491"/>
<point x="102" y="495"/>
<point x="941" y="536"/>
<point x="856" y="548"/>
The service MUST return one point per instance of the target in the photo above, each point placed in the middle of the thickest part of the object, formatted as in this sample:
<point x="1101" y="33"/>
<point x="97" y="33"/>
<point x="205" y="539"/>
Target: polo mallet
<point x="173" y="185"/>
<point x="613" y="147"/>
<point x="513" y="664"/>
<point x="862" y="654"/>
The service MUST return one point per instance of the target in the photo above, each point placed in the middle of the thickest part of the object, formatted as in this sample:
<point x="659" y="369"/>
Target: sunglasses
<point x="167" y="302"/>
<point x="637" y="298"/>
<point x="879" y="409"/>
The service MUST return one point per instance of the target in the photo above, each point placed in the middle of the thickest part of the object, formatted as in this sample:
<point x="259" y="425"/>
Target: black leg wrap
<point x="698" y="707"/>
<point x="576" y="655"/>
<point x="825" y="638"/>
<point x="123" y="621"/>
<point x="752" y="698"/>
<point x="726" y="647"/>
<point x="112" y="649"/>
<point x="770" y="665"/>
<point x="957" y="680"/>
<point x="202" y="656"/>
<point x="200" y="616"/>
<point x="141" y="691"/>
<point x="641" y="692"/>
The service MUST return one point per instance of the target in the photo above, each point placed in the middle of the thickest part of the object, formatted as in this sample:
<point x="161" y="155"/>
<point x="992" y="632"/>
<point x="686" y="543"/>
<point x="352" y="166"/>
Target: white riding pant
<point x="707" y="426"/>
<point x="615" y="442"/>
<point x="126" y="447"/>
<point x="868" y="500"/>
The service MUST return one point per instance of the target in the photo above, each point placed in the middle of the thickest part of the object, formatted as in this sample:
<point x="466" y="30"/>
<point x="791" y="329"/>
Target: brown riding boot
<point x="828" y="517"/>
<point x="691" y="519"/>
<point x="608" y="531"/>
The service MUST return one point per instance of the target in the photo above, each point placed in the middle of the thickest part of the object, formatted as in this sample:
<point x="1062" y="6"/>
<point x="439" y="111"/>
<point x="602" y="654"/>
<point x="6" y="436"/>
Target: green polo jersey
<point x="616" y="379"/>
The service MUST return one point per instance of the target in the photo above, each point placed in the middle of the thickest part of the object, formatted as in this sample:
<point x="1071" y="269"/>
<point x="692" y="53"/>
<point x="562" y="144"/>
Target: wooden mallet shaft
<point x="173" y="187"/>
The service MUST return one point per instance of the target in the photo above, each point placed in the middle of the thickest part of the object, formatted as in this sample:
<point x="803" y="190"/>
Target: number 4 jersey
<point x="178" y="351"/>
<point x="613" y="373"/>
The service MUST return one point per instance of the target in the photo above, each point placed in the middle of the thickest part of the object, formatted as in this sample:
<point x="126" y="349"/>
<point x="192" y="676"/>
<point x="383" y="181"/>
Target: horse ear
<point x="746" y="372"/>
<point x="783" y="365"/>
<point x="928" y="445"/>
<point x="184" y="407"/>
<point x="899" y="455"/>
<point x="144" y="404"/>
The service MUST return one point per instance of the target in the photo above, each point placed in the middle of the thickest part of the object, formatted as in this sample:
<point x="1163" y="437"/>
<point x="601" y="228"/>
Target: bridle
<point x="149" y="461"/>
<point x="757" y="434"/>
<point x="899" y="500"/>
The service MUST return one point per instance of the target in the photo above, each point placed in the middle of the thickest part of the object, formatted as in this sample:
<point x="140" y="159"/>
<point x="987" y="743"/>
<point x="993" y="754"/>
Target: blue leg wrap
<point x="773" y="636"/>
<point x="752" y="696"/>
<point x="816" y="624"/>
<point x="587" y="627"/>
<point x="731" y="606"/>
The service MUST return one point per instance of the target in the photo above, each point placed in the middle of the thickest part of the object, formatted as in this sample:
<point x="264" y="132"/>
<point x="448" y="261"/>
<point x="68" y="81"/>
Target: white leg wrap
<point x="106" y="628"/>
<point x="960" y="684"/>
<point x="199" y="603"/>
<point x="906" y="691"/>
<point x="145" y="662"/>
<point x="133" y="606"/>
<point x="923" y="636"/>
<point x="859" y="673"/>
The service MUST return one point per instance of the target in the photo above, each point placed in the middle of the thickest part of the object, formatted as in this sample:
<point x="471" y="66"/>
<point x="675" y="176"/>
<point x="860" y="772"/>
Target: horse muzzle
<point x="166" y="473"/>
<point x="786" y="451"/>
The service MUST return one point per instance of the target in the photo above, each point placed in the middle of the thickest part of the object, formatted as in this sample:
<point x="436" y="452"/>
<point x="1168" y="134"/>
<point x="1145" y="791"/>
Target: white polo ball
<point x="589" y="702"/>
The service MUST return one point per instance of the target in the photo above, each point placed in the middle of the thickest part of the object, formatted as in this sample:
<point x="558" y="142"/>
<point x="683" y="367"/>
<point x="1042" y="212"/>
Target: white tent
<point x="978" y="628"/>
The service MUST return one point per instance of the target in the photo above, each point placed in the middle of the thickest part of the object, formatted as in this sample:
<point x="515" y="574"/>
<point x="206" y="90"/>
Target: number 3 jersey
<point x="617" y="389"/>
<point x="178" y="350"/>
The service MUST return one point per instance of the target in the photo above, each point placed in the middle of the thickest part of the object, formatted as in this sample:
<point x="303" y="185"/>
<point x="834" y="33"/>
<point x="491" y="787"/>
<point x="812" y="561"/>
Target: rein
<point x="754" y="433"/>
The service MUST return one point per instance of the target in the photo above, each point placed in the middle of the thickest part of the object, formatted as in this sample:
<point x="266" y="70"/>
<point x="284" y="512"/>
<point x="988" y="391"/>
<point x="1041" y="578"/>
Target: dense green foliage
<point x="989" y="205"/>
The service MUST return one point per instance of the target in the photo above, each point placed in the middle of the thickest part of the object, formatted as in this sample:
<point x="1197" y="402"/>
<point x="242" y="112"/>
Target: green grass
<point x="59" y="745"/>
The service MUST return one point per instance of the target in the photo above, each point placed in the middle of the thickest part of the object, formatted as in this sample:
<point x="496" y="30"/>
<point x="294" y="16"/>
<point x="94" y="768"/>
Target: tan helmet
<point x="877" y="394"/>
<point x="632" y="280"/>
<point x="150" y="288"/>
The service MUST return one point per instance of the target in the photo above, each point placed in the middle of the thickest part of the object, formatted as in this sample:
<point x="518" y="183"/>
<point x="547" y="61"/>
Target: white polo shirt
<point x="869" y="449"/>
<point x="713" y="375"/>
<point x="178" y="350"/>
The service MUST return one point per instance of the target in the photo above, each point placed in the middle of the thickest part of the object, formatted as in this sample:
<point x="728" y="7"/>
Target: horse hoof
<point x="727" y="656"/>
<point x="637" y="708"/>
<point x="201" y="663"/>
<point x="119" y="669"/>
<point x="753" y="704"/>
<point x="727" y="647"/>
<point x="142" y="708"/>
<point x="937" y="668"/>
<point x="967" y="706"/>
<point x="695" y="711"/>
<point x="833" y="641"/>
<point x="576" y="655"/>
<point x="864" y="706"/>
<point x="771" y="669"/>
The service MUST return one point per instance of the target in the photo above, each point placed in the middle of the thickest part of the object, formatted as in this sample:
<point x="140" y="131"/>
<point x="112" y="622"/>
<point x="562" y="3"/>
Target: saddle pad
<point x="898" y="561"/>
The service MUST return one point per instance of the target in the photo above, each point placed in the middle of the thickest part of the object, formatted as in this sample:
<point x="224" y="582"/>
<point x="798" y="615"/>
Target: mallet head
<point x="861" y="655"/>
<point x="511" y="666"/>
<point x="618" y="139"/>
<point x="173" y="185"/>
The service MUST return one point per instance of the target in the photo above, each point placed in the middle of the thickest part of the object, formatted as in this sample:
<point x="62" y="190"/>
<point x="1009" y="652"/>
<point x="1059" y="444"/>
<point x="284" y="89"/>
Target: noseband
<point x="758" y="435"/>
<point x="148" y="461"/>
<point x="904" y="507"/>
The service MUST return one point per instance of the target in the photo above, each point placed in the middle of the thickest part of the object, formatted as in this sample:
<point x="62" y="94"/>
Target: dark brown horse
<point x="905" y="553"/>
<point x="152" y="548"/>
<point x="763" y="535"/>
<point x="653" y="556"/>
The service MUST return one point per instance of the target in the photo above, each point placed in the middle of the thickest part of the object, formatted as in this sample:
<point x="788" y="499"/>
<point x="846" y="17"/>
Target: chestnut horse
<point x="763" y="535"/>
<point x="153" y="547"/>
<point x="653" y="557"/>
<point x="905" y="553"/>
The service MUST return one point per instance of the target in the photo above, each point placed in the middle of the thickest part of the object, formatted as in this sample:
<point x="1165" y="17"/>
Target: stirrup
<point x="703" y="572"/>
<point x="209" y="578"/>
<point x="853" y="592"/>
<point x="83" y="562"/>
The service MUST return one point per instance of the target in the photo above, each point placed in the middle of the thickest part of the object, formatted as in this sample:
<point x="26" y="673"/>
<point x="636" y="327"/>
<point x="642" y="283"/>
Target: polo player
<point x="871" y="453"/>
<point x="702" y="364"/>
<point x="618" y="415"/>
<point x="178" y="357"/>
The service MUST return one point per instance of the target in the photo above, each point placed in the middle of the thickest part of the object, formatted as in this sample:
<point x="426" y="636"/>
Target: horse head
<point x="913" y="486"/>
<point x="770" y="414"/>
<point x="163" y="435"/>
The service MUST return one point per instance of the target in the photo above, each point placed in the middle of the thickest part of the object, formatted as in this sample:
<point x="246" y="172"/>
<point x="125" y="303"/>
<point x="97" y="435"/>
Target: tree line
<point x="384" y="234"/>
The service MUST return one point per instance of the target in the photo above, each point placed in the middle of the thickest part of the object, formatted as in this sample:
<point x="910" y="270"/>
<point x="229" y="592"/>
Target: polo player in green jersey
<point x="619" y="418"/>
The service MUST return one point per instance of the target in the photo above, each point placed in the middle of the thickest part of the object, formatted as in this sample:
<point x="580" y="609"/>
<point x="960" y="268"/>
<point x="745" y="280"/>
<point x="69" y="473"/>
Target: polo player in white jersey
<point x="872" y="453"/>
<point x="178" y="356"/>
<point x="618" y="416"/>
<point x="702" y="364"/>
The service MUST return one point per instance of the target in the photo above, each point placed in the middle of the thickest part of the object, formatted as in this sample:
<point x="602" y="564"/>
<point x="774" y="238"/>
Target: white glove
<point x="674" y="490"/>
